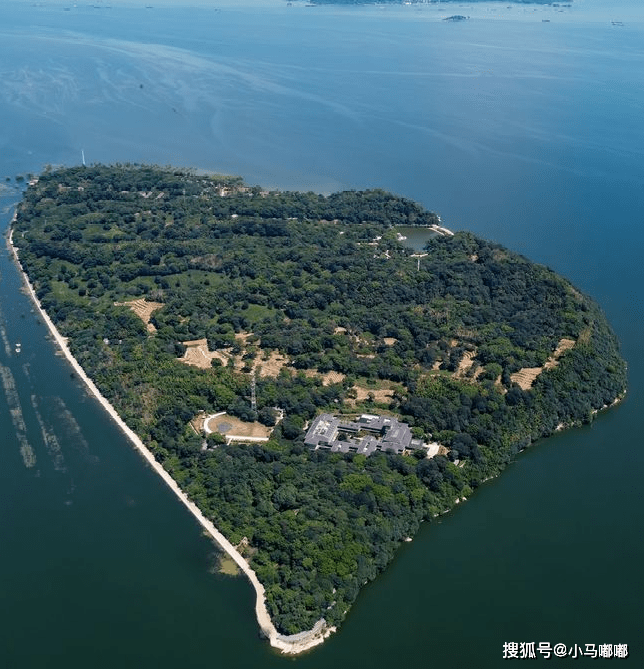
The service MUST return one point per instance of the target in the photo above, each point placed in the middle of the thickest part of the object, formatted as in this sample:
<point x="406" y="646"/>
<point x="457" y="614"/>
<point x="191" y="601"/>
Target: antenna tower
<point x="253" y="397"/>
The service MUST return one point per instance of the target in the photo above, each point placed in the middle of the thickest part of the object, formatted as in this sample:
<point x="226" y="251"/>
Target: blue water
<point x="528" y="133"/>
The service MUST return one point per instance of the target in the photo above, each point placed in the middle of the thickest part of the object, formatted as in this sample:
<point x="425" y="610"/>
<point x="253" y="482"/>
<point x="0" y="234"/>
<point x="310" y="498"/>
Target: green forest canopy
<point x="322" y="284"/>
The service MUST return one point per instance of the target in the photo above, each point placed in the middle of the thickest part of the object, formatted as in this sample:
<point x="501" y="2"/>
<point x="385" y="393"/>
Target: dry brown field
<point x="526" y="377"/>
<point x="143" y="309"/>
<point x="230" y="426"/>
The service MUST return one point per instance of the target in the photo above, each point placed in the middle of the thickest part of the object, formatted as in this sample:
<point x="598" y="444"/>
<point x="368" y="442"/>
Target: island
<point x="310" y="387"/>
<point x="433" y="2"/>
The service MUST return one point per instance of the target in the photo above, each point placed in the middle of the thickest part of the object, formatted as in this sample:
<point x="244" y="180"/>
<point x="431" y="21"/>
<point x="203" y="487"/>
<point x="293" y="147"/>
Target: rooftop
<point x="364" y="435"/>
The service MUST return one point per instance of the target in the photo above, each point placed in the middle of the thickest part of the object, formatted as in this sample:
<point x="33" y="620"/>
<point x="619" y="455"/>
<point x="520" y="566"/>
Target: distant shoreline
<point x="293" y="644"/>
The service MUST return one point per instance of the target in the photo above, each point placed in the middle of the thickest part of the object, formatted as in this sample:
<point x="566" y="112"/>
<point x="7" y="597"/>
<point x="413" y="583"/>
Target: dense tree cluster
<point x="324" y="281"/>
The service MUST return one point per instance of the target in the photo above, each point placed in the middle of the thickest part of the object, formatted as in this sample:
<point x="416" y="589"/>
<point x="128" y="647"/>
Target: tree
<point x="215" y="439"/>
<point x="267" y="416"/>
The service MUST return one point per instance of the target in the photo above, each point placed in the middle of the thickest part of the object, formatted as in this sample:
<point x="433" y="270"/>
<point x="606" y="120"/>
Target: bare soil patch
<point x="328" y="378"/>
<point x="244" y="336"/>
<point x="379" y="394"/>
<point x="198" y="355"/>
<point x="197" y="423"/>
<point x="143" y="309"/>
<point x="272" y="366"/>
<point x="563" y="346"/>
<point x="230" y="426"/>
<point x="224" y="356"/>
<point x="332" y="377"/>
<point x="526" y="377"/>
<point x="465" y="364"/>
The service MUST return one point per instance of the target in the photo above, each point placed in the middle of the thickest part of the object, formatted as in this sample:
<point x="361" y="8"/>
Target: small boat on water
<point x="18" y="347"/>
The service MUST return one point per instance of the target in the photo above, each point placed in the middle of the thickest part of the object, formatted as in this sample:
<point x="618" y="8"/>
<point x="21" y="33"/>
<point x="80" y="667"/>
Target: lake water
<point x="527" y="132"/>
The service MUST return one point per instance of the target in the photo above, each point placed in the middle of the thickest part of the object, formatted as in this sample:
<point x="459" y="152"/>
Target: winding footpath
<point x="294" y="644"/>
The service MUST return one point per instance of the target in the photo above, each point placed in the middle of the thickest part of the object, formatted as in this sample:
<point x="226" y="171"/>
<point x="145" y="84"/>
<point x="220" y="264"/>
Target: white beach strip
<point x="294" y="644"/>
<point x="442" y="230"/>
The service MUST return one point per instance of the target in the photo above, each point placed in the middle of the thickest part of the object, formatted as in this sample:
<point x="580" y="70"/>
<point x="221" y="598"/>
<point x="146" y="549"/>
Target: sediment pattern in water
<point x="52" y="445"/>
<point x="3" y="334"/>
<point x="72" y="433"/>
<point x="17" y="417"/>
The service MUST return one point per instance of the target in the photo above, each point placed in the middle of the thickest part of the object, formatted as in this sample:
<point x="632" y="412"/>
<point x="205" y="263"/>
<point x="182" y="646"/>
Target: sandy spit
<point x="294" y="644"/>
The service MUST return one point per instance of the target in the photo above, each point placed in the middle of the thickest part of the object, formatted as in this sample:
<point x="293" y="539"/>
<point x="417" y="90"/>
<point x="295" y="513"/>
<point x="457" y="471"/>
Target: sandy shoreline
<point x="297" y="643"/>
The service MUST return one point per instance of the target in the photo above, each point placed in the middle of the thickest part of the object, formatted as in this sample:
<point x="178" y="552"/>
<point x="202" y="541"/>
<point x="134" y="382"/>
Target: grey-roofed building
<point x="365" y="435"/>
<point x="323" y="431"/>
